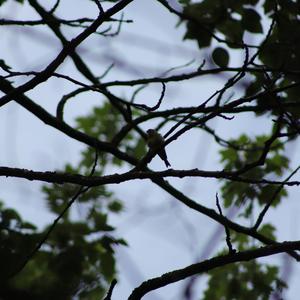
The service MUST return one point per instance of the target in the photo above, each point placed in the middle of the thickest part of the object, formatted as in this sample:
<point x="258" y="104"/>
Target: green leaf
<point x="107" y="266"/>
<point x="269" y="5"/>
<point x="220" y="57"/>
<point x="115" y="206"/>
<point x="268" y="231"/>
<point x="194" y="32"/>
<point x="10" y="214"/>
<point x="233" y="30"/>
<point x="101" y="223"/>
<point x="251" y="21"/>
<point x="27" y="225"/>
<point x="184" y="2"/>
<point x="253" y="2"/>
<point x="250" y="280"/>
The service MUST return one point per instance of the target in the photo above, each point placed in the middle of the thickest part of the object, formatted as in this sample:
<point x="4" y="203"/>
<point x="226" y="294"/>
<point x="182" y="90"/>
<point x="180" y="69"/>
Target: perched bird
<point x="155" y="141"/>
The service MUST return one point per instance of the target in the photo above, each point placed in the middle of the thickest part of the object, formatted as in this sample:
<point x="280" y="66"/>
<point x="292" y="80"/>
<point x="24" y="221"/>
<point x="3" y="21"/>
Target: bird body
<point x="155" y="141"/>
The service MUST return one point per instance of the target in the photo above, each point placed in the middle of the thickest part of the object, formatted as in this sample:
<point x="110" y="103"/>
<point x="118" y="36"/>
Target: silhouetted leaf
<point x="251" y="21"/>
<point x="220" y="57"/>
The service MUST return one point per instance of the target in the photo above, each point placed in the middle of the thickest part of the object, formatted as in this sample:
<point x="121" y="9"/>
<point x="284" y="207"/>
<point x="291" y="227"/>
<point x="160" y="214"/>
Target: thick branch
<point x="60" y="178"/>
<point x="48" y="119"/>
<point x="210" y="264"/>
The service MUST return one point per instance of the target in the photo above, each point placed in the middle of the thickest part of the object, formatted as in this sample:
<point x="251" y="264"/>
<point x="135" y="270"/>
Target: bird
<point x="155" y="142"/>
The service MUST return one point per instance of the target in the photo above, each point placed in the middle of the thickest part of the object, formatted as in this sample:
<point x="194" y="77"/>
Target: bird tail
<point x="163" y="155"/>
<point x="167" y="163"/>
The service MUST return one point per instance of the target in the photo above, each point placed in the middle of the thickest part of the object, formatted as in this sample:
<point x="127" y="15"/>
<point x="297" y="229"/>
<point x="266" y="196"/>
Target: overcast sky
<point x="161" y="233"/>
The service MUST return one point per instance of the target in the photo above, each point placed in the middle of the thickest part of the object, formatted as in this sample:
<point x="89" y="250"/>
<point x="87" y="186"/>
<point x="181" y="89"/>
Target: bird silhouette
<point x="155" y="142"/>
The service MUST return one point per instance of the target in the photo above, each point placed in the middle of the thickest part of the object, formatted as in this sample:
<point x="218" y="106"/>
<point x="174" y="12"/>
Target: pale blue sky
<point x="151" y="217"/>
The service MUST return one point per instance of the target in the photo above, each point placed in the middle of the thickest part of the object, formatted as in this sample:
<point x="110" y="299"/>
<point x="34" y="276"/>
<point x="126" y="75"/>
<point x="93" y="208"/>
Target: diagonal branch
<point x="81" y="190"/>
<point x="271" y="200"/>
<point x="210" y="264"/>
<point x="48" y="119"/>
<point x="67" y="49"/>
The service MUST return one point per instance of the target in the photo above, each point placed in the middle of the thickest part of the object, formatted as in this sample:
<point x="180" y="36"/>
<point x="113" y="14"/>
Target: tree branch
<point x="210" y="264"/>
<point x="67" y="49"/>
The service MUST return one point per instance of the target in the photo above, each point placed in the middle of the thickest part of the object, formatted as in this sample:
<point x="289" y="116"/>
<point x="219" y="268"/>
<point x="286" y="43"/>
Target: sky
<point x="161" y="233"/>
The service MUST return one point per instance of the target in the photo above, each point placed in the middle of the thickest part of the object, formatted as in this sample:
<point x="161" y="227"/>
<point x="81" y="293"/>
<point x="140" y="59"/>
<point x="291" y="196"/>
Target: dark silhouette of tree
<point x="73" y="258"/>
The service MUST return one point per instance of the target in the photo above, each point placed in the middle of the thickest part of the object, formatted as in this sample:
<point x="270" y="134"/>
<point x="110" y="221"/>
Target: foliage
<point x="249" y="280"/>
<point x="81" y="251"/>
<point x="279" y="52"/>
<point x="248" y="151"/>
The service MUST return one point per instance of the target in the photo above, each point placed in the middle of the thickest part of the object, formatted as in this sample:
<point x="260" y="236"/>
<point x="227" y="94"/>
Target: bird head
<point x="151" y="132"/>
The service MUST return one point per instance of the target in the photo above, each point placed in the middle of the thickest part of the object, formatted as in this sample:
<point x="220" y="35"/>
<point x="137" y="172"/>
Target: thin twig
<point x="111" y="288"/>
<point x="228" y="239"/>
<point x="157" y="105"/>
<point x="271" y="200"/>
<point x="55" y="6"/>
<point x="101" y="10"/>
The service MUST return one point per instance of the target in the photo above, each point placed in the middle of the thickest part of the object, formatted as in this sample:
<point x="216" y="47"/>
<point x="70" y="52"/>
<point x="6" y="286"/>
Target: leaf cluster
<point x="240" y="193"/>
<point x="249" y="280"/>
